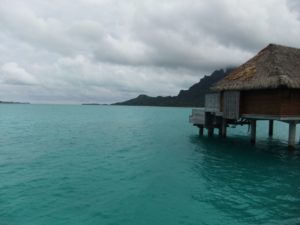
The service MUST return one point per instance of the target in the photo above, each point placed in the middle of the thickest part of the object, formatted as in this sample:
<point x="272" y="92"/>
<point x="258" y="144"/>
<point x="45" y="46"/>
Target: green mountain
<point x="193" y="97"/>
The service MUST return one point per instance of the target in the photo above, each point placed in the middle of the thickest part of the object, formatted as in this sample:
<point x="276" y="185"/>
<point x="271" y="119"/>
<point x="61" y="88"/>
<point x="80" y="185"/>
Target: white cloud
<point x="12" y="73"/>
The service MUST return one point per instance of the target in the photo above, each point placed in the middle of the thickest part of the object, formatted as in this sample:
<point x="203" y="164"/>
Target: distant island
<point x="8" y="102"/>
<point x="93" y="104"/>
<point x="193" y="97"/>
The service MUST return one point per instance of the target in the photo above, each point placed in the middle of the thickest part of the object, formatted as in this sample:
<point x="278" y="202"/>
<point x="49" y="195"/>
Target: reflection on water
<point x="250" y="183"/>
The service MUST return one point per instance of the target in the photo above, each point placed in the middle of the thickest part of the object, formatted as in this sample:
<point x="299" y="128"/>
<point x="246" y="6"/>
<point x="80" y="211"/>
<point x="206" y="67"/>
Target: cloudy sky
<point x="73" y="51"/>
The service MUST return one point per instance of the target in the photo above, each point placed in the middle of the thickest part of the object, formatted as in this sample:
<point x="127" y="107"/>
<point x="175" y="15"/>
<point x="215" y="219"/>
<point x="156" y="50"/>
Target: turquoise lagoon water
<point x="139" y="165"/>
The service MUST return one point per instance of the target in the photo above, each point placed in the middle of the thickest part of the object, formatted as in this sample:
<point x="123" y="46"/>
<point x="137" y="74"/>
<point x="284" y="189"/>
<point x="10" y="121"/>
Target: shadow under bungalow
<point x="267" y="87"/>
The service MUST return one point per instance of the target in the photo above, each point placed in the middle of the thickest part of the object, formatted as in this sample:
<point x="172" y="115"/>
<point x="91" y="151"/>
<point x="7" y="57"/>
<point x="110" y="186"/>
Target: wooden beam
<point x="271" y="126"/>
<point x="253" y="131"/>
<point x="292" y="135"/>
<point x="282" y="118"/>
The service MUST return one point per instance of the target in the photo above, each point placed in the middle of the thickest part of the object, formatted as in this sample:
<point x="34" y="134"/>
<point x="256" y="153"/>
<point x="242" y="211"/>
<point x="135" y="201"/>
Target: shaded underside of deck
<point x="215" y="120"/>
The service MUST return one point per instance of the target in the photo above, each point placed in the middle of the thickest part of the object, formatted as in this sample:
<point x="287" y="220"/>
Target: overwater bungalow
<point x="266" y="87"/>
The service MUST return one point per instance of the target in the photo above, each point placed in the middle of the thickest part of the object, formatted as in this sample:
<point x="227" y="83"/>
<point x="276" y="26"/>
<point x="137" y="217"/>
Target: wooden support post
<point x="210" y="131"/>
<point x="253" y="131"/>
<point x="292" y="135"/>
<point x="220" y="131"/>
<point x="271" y="125"/>
<point x="201" y="129"/>
<point x="224" y="127"/>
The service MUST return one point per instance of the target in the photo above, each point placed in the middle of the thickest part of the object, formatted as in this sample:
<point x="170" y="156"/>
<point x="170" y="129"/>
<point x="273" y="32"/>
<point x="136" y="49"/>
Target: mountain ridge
<point x="192" y="97"/>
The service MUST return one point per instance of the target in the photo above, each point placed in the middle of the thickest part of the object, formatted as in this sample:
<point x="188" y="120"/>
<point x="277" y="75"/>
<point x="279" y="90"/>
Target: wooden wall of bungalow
<point x="271" y="102"/>
<point x="275" y="102"/>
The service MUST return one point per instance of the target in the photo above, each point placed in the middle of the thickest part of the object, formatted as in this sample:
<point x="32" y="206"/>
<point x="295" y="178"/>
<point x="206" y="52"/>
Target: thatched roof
<point x="274" y="66"/>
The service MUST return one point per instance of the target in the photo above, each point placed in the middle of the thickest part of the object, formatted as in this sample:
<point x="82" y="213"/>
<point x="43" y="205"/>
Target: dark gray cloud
<point x="111" y="50"/>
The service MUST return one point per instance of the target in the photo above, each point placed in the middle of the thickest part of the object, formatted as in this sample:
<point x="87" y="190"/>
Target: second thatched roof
<point x="274" y="66"/>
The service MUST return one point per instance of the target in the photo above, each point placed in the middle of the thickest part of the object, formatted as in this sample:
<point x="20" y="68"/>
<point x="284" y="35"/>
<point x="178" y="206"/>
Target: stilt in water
<point x="271" y="126"/>
<point x="253" y="131"/>
<point x="220" y="131"/>
<point x="292" y="135"/>
<point x="210" y="131"/>
<point x="201" y="129"/>
<point x="224" y="128"/>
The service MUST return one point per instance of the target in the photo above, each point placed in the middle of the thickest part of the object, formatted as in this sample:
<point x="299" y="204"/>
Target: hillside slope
<point x="193" y="97"/>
